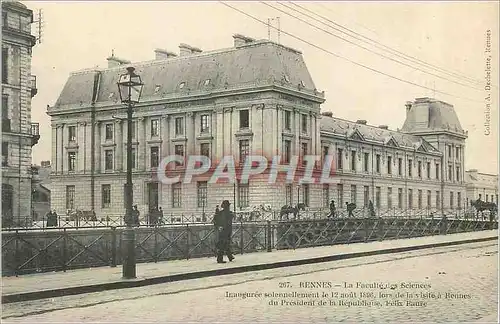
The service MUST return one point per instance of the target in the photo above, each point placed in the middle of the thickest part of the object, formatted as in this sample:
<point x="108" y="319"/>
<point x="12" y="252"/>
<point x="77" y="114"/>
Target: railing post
<point x="187" y="240"/>
<point x="113" y="246"/>
<point x="16" y="253"/>
<point x="269" y="233"/>
<point x="65" y="247"/>
<point x="241" y="236"/>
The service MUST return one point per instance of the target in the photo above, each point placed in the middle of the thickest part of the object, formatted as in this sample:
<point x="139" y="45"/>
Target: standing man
<point x="223" y="222"/>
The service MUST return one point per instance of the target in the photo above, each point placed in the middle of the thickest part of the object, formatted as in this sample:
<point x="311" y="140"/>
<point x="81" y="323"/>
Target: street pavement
<point x="104" y="275"/>
<point x="469" y="272"/>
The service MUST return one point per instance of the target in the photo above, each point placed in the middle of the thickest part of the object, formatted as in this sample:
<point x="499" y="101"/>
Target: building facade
<point x="19" y="134"/>
<point x="40" y="192"/>
<point x="482" y="186"/>
<point x="254" y="98"/>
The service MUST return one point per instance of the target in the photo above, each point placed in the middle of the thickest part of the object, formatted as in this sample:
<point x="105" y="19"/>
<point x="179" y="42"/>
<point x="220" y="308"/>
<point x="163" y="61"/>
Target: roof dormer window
<point x="111" y="95"/>
<point x="287" y="78"/>
<point x="207" y="82"/>
<point x="182" y="85"/>
<point x="157" y="88"/>
<point x="302" y="84"/>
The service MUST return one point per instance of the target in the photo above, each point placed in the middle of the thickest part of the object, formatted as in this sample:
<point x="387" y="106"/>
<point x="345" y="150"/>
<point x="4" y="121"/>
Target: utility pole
<point x="39" y="25"/>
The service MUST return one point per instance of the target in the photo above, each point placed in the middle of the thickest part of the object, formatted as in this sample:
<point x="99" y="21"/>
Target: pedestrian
<point x="135" y="214"/>
<point x="332" y="209"/>
<point x="371" y="210"/>
<point x="223" y="221"/>
<point x="160" y="216"/>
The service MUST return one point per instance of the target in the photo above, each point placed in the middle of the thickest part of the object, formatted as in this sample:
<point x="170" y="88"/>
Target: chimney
<point x="408" y="106"/>
<point x="186" y="49"/>
<point x="327" y="113"/>
<point x="383" y="127"/>
<point x="161" y="54"/>
<point x="115" y="61"/>
<point x="240" y="40"/>
<point x="361" y="121"/>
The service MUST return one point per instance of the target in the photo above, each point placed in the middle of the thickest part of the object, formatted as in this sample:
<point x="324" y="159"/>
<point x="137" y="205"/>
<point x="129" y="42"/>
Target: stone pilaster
<point x="98" y="147"/>
<point x="60" y="148"/>
<point x="228" y="130"/>
<point x="218" y="131"/>
<point x="297" y="131"/>
<point x="191" y="134"/>
<point x="257" y="128"/>
<point x="279" y="130"/>
<point x="82" y="142"/>
<point x="141" y="148"/>
<point x="165" y="136"/>
<point x="54" y="148"/>
<point x="119" y="141"/>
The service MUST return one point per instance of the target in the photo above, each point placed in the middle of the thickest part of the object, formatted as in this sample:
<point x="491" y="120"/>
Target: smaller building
<point x="482" y="186"/>
<point x="40" y="190"/>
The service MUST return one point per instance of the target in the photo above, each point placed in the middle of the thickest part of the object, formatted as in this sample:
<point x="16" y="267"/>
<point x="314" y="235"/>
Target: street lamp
<point x="130" y="89"/>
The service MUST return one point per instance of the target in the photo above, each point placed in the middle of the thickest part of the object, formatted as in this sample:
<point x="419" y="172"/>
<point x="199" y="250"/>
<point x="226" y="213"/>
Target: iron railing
<point x="60" y="249"/>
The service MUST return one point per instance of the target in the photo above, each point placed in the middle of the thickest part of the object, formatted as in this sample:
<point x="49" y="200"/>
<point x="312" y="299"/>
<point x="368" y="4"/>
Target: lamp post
<point x="130" y="89"/>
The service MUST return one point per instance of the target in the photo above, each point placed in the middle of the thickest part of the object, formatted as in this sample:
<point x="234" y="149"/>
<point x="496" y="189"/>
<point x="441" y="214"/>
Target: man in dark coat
<point x="332" y="210"/>
<point x="223" y="221"/>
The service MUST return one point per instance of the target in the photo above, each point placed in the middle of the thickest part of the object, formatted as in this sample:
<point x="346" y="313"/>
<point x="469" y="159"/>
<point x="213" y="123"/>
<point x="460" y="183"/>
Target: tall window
<point x="244" y="118"/>
<point x="428" y="170"/>
<point x="305" y="194"/>
<point x="400" y="166"/>
<point x="429" y="197"/>
<point x="288" y="120"/>
<point x="243" y="195"/>
<point x="389" y="198"/>
<point x="353" y="193"/>
<point x="450" y="174"/>
<point x="155" y="127"/>
<point x="437" y="171"/>
<point x="326" y="195"/>
<point x="72" y="133"/>
<point x="304" y="153"/>
<point x="155" y="156"/>
<point x="108" y="160"/>
<point x="133" y="126"/>
<point x="377" y="197"/>
<point x="340" y="195"/>
<point x="353" y="160"/>
<point x="179" y="150"/>
<point x="177" y="195"/>
<point x="410" y="168"/>
<point x="419" y="199"/>
<point x="377" y="163"/>
<point x="288" y="195"/>
<point x="451" y="199"/>
<point x="457" y="153"/>
<point x="457" y="177"/>
<point x="70" y="197"/>
<point x="389" y="165"/>
<point x="205" y="149"/>
<point x="419" y="169"/>
<point x="205" y="123"/>
<point x="106" y="195"/>
<point x="410" y="198"/>
<point x="400" y="197"/>
<point x="366" y="196"/>
<point x="339" y="159"/>
<point x="71" y="161"/>
<point x="109" y="131"/>
<point x="5" y="65"/>
<point x="5" y="154"/>
<point x="5" y="114"/>
<point x="244" y="150"/>
<point x="179" y="126"/>
<point x="325" y="152"/>
<point x="304" y="124"/>
<point x="202" y="188"/>
<point x="365" y="162"/>
<point x="450" y="154"/>
<point x="287" y="151"/>
<point x="459" y="200"/>
<point x="438" y="199"/>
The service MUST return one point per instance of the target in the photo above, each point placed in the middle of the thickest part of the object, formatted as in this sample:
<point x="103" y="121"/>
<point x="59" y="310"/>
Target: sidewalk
<point x="52" y="284"/>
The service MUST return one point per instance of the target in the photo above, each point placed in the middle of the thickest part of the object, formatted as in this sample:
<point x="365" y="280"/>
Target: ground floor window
<point x="243" y="195"/>
<point x="176" y="195"/>
<point x="70" y="197"/>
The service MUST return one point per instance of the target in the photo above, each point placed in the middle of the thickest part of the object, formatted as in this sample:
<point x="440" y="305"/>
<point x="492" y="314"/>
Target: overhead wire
<point x="344" y="58"/>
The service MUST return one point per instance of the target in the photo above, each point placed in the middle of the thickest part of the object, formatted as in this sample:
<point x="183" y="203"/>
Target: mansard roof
<point x="255" y="64"/>
<point x="369" y="133"/>
<point x="427" y="115"/>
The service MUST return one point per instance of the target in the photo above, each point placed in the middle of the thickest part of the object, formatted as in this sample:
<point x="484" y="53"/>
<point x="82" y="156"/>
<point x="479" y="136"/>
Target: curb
<point x="77" y="290"/>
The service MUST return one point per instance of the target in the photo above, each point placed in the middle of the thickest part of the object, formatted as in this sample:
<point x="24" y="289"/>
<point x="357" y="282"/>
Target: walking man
<point x="223" y="222"/>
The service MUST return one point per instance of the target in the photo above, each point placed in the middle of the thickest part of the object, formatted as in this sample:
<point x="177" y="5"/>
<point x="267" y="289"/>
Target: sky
<point x="452" y="36"/>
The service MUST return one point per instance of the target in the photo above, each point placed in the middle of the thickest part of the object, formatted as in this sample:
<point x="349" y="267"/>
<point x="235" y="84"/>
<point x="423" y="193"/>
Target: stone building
<point x="254" y="98"/>
<point x="482" y="186"/>
<point x="19" y="134"/>
<point x="40" y="192"/>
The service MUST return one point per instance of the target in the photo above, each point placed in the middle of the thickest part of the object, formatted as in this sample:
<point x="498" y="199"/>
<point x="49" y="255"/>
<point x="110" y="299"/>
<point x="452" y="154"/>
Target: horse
<point x="481" y="206"/>
<point x="287" y="209"/>
<point x="255" y="212"/>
